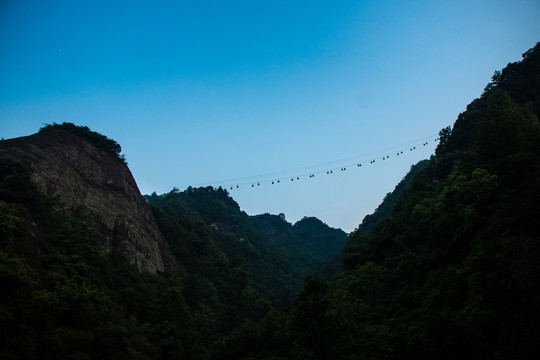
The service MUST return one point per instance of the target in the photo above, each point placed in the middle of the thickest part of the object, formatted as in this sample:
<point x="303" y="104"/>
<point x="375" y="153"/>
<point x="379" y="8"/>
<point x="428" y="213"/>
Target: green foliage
<point x="17" y="187"/>
<point x="99" y="140"/>
<point x="310" y="318"/>
<point x="451" y="274"/>
<point x="63" y="298"/>
<point x="236" y="273"/>
<point x="10" y="226"/>
<point x="323" y="240"/>
<point x="384" y="210"/>
<point x="263" y="258"/>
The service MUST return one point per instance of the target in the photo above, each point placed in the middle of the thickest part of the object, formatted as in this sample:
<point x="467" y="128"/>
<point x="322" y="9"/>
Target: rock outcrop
<point x="90" y="180"/>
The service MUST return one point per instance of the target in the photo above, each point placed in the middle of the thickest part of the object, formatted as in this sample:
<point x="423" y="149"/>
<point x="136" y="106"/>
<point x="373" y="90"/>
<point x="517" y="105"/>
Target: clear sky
<point x="201" y="92"/>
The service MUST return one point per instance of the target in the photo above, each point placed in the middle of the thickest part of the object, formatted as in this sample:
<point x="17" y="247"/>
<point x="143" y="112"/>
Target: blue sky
<point x="197" y="93"/>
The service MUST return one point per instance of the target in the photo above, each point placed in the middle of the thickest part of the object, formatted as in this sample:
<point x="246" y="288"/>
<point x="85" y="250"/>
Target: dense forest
<point x="62" y="297"/>
<point x="447" y="267"/>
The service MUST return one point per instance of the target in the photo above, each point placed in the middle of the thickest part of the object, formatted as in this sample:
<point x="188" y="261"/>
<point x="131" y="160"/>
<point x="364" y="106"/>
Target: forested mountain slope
<point x="72" y="232"/>
<point x="456" y="267"/>
<point x="384" y="210"/>
<point x="455" y="271"/>
<point x="278" y="255"/>
<point x="308" y="243"/>
<point x="333" y="268"/>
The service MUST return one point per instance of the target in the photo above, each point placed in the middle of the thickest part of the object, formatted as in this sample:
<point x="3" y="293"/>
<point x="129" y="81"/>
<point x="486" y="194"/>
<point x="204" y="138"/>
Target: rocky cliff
<point x="88" y="179"/>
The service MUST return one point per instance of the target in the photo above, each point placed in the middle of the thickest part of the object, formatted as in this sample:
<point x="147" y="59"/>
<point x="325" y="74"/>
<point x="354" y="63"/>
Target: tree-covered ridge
<point x="229" y="270"/>
<point x="384" y="210"/>
<point x="321" y="238"/>
<point x="97" y="139"/>
<point x="307" y="244"/>
<point x="457" y="275"/>
<point x="274" y="254"/>
<point x="454" y="272"/>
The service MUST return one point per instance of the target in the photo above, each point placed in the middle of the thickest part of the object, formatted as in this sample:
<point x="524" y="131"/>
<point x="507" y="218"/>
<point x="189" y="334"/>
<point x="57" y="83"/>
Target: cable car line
<point x="275" y="177"/>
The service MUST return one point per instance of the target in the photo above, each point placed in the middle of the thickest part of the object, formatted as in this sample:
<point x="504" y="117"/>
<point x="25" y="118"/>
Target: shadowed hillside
<point x="90" y="269"/>
<point x="279" y="253"/>
<point x="454" y="271"/>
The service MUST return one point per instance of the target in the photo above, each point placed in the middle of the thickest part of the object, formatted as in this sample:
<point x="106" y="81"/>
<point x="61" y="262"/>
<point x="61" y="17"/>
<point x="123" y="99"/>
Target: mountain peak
<point x="88" y="178"/>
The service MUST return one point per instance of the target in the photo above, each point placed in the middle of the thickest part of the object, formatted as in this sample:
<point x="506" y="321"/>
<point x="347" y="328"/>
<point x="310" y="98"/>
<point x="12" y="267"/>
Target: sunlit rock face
<point x="90" y="180"/>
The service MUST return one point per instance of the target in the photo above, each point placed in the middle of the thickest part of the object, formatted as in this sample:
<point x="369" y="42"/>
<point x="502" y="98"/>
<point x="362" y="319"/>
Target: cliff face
<point x="90" y="180"/>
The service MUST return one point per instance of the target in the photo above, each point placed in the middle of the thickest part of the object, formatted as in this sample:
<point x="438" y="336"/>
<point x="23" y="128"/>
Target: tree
<point x="311" y="319"/>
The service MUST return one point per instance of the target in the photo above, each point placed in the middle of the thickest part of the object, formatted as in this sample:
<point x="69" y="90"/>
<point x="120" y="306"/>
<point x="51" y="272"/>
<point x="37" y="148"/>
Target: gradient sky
<point x="201" y="92"/>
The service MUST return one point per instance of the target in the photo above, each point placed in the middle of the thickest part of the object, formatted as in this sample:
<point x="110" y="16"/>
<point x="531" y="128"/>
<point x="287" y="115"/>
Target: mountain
<point x="258" y="243"/>
<point x="324" y="240"/>
<point x="333" y="268"/>
<point x="89" y="268"/>
<point x="453" y="272"/>
<point x="88" y="177"/>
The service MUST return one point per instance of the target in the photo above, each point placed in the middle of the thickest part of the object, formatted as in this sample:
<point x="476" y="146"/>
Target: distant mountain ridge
<point x="299" y="248"/>
<point x="310" y="240"/>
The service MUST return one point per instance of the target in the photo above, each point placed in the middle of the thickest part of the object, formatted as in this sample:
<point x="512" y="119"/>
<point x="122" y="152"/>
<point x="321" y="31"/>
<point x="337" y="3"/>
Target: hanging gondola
<point x="328" y="172"/>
